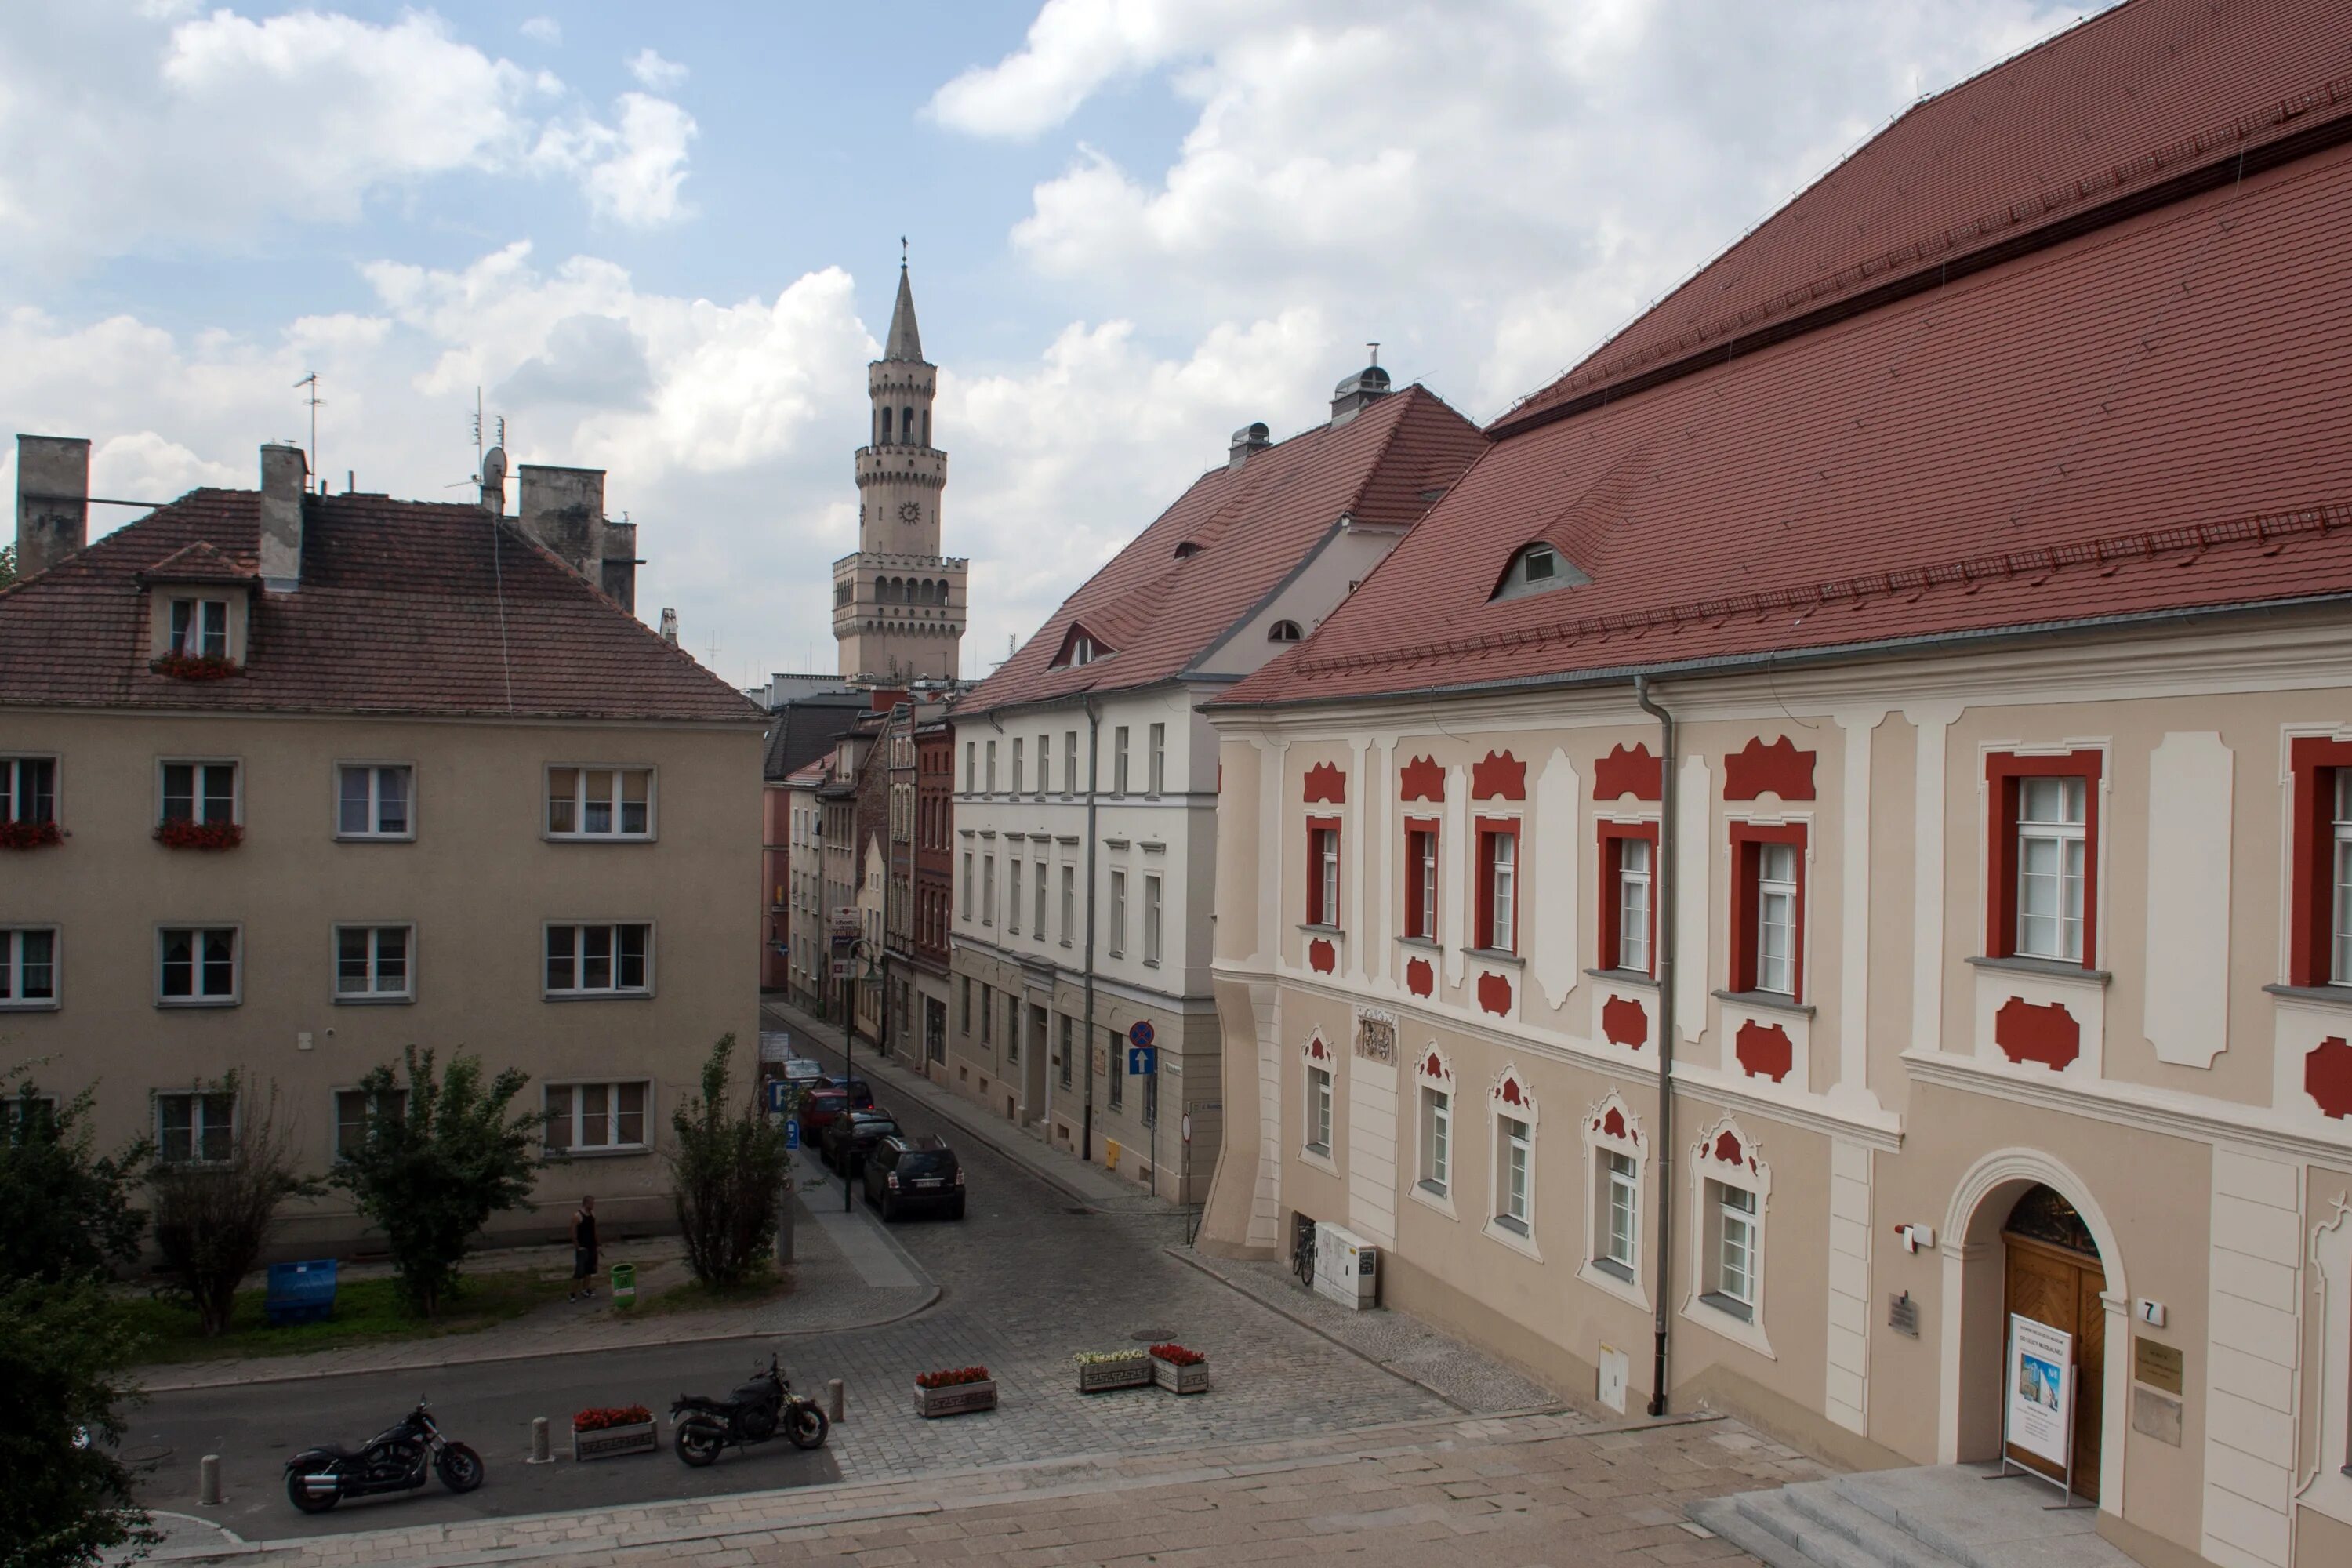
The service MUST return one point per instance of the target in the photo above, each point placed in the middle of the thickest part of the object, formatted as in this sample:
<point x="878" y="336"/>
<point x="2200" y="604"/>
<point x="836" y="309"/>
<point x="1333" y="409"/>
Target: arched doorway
<point x="2052" y="1274"/>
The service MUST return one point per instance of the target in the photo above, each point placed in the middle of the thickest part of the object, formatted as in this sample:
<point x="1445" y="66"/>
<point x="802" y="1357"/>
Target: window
<point x="1044" y="764"/>
<point x="1421" y="877"/>
<point x="988" y="889"/>
<point x="1731" y="1274"/>
<point x="1069" y="1050"/>
<point x="1628" y="915"/>
<point x="2043" y="868"/>
<point x="1284" y="631"/>
<point x="28" y="967"/>
<point x="969" y="748"/>
<point x="200" y="792"/>
<point x="585" y="1117"/>
<point x="600" y="803"/>
<point x="1515" y="1153"/>
<point x="1115" y="1048"/>
<point x="987" y="1014"/>
<point x="1437" y="1138"/>
<point x="1117" y="933"/>
<point x="599" y="960"/>
<point x="1159" y="764"/>
<point x="1037" y="926"/>
<point x="1319" y="1110"/>
<point x="1069" y="901"/>
<point x="1776" y="919"/>
<point x="371" y="801"/>
<point x="1119" y="760"/>
<point x="1499" y="887"/>
<point x="197" y="965"/>
<point x="992" y="767"/>
<point x="1768" y="936"/>
<point x="1012" y="905"/>
<point x="1616" y="1227"/>
<point x="373" y="963"/>
<point x="29" y="789"/>
<point x="200" y="628"/>
<point x="355" y="1114"/>
<point x="1016" y="766"/>
<point x="2339" y="970"/>
<point x="1069" y="762"/>
<point x="1150" y="918"/>
<point x="1151" y="1094"/>
<point x="967" y="884"/>
<point x="964" y="1005"/>
<point x="195" y="1128"/>
<point x="1323" y="870"/>
<point x="1535" y="570"/>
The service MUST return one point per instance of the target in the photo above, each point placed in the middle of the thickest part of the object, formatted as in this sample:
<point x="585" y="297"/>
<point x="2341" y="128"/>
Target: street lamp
<point x="876" y="960"/>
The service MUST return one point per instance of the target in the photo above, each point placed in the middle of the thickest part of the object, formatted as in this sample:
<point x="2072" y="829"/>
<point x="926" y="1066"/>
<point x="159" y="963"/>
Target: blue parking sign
<point x="792" y="1133"/>
<point x="1142" y="1061"/>
<point x="780" y="1095"/>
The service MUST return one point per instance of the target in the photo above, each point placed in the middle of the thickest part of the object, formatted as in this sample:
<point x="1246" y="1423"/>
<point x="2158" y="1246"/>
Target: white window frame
<point x="1156" y="774"/>
<point x="1037" y="900"/>
<point x="1426" y="853"/>
<point x="971" y="750"/>
<point x="2066" y="838"/>
<point x="1776" y="969"/>
<point x="12" y="969"/>
<point x="374" y="929"/>
<point x="1511" y="1100"/>
<point x="1432" y="1073"/>
<point x="1045" y="763"/>
<point x="992" y="768"/>
<point x="1636" y="933"/>
<point x="579" y="834"/>
<point x="1119" y="760"/>
<point x="1151" y="919"/>
<point x="576" y="1109"/>
<point x="988" y="888"/>
<point x="1116" y="938"/>
<point x="1069" y="901"/>
<point x="1317" y="1131"/>
<point x="235" y="995"/>
<point x="1019" y="765"/>
<point x="190" y="640"/>
<point x="376" y="772"/>
<point x="11" y="786"/>
<point x="578" y="993"/>
<point x="2340" y="954"/>
<point x="199" y="1125"/>
<point x="1502" y="852"/>
<point x="1069" y="762"/>
<point x="967" y="885"/>
<point x="236" y="766"/>
<point x="1751" y="1175"/>
<point x="1012" y="864"/>
<point x="1622" y="1277"/>
<point x="1327" y="879"/>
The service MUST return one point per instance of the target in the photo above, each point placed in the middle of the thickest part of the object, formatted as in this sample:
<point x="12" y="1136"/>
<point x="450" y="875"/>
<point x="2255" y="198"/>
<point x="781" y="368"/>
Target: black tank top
<point x="587" y="1230"/>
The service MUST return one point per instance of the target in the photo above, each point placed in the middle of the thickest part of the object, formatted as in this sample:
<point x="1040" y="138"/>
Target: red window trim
<point x="1412" y="888"/>
<point x="2311" y="914"/>
<point x="2002" y="771"/>
<point x="1489" y="828"/>
<point x="1748" y="839"/>
<point x="1317" y="915"/>
<point x="1612" y="834"/>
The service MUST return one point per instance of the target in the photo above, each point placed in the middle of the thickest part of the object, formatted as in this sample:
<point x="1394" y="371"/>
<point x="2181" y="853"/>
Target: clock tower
<point x="897" y="603"/>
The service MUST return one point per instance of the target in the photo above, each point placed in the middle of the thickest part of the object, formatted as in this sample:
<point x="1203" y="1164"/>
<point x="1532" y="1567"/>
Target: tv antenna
<point x="311" y="381"/>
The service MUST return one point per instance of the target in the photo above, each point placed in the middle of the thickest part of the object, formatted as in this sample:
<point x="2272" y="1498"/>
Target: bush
<point x="213" y="1219"/>
<point x="64" y="1209"/>
<point x="727" y="1175"/>
<point x="63" y="1349"/>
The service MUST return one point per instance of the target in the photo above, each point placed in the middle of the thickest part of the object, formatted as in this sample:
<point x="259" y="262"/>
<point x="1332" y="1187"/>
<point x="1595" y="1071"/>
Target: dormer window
<point x="200" y="628"/>
<point x="1536" y="569"/>
<point x="198" y="613"/>
<point x="1186" y="550"/>
<point x="1284" y="631"/>
<point x="1079" y="646"/>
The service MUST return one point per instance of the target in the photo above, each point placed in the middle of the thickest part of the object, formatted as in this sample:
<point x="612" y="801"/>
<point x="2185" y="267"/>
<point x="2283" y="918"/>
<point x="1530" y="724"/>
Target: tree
<point x="63" y="1349"/>
<point x="64" y="1209"/>
<point x="727" y="1174"/>
<point x="213" y="1218"/>
<point x="439" y="1157"/>
<point x="7" y="564"/>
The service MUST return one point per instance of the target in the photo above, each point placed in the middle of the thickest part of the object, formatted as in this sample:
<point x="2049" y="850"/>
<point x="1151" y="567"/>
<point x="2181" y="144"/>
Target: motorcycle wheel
<point x="461" y="1469"/>
<point x="698" y="1446"/>
<point x="302" y="1497"/>
<point x="806" y="1426"/>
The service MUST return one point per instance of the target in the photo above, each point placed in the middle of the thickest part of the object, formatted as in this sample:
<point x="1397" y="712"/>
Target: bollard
<point x="208" y="1492"/>
<point x="538" y="1450"/>
<point x="833" y="1397"/>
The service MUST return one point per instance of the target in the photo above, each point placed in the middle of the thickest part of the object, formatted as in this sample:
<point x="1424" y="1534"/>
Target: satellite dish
<point x="494" y="479"/>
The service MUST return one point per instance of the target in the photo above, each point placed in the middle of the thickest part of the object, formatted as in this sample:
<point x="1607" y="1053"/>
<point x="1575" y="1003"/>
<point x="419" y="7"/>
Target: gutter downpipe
<point x="1087" y="1043"/>
<point x="1663" y="1315"/>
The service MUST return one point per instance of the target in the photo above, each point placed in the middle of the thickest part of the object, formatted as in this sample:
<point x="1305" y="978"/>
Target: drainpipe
<point x="1665" y="1159"/>
<point x="1086" y="1042"/>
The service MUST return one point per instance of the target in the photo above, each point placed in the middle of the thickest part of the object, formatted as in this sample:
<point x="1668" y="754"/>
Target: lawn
<point x="367" y="1312"/>
<point x="692" y="1295"/>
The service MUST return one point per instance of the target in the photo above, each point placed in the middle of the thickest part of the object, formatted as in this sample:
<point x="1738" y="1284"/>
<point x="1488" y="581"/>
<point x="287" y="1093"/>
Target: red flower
<point x="951" y="1379"/>
<point x="29" y="835"/>
<point x="179" y="833"/>
<point x="193" y="666"/>
<point x="1177" y="1355"/>
<point x="598" y="1419"/>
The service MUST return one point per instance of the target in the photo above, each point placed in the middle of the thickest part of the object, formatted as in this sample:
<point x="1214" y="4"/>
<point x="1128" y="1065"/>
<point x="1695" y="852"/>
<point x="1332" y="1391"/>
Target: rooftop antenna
<point x="711" y="662"/>
<point x="311" y="381"/>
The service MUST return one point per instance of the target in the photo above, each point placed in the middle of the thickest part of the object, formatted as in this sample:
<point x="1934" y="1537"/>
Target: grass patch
<point x="367" y="1312"/>
<point x="764" y="1284"/>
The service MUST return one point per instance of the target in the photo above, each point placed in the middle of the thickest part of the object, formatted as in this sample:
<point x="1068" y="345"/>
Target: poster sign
<point x="2040" y="1418"/>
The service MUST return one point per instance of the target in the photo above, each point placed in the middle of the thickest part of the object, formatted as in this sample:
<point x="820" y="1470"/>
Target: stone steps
<point x="1945" y="1516"/>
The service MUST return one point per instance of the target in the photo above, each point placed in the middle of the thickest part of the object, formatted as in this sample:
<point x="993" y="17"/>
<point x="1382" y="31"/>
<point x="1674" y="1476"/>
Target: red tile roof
<point x="1161" y="613"/>
<point x="2138" y="417"/>
<point x="406" y="607"/>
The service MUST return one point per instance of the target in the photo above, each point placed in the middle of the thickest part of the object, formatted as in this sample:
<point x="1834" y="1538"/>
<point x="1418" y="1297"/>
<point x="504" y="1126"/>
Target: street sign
<point x="1188" y="1127"/>
<point x="780" y="1095"/>
<point x="1142" y="1061"/>
<point x="792" y="1133"/>
<point x="1140" y="1032"/>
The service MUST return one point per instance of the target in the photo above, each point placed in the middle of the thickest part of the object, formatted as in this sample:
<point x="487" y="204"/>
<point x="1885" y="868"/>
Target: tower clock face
<point x="909" y="512"/>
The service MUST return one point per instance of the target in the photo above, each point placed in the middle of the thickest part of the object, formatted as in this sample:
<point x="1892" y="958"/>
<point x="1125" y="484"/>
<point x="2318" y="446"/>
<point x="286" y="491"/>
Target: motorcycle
<point x="755" y="1411"/>
<point x="394" y="1460"/>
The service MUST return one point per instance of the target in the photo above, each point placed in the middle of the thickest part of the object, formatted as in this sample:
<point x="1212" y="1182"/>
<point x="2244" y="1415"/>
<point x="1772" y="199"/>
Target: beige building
<point x="1838" y="829"/>
<point x="291" y="781"/>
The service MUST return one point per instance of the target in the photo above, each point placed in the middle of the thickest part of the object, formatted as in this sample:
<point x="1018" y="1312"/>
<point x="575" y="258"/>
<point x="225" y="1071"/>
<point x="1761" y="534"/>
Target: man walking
<point x="584" y="1248"/>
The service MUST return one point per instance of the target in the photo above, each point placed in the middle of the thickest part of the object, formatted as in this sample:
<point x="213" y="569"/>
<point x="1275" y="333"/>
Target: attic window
<point x="1284" y="631"/>
<point x="1079" y="646"/>
<point x="1187" y="550"/>
<point x="1536" y="569"/>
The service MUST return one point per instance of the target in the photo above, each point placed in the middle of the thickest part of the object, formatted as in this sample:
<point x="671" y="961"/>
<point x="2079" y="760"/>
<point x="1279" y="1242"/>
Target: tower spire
<point x="905" y="342"/>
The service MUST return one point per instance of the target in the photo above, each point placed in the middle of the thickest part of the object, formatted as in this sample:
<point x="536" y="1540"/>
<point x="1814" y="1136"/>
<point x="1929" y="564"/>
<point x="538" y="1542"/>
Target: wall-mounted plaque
<point x="2156" y="1365"/>
<point x="1376" y="1039"/>
<point x="1903" y="1314"/>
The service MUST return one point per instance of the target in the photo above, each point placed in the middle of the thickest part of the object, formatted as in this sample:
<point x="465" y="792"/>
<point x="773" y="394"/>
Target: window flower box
<point x="1101" y="1371"/>
<point x="608" y="1432"/>
<point x="30" y="834"/>
<point x="181" y="834"/>
<point x="1179" y="1371"/>
<point x="957" y="1391"/>
<point x="194" y="665"/>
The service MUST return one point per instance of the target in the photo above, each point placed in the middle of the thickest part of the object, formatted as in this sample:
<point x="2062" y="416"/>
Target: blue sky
<point x="663" y="238"/>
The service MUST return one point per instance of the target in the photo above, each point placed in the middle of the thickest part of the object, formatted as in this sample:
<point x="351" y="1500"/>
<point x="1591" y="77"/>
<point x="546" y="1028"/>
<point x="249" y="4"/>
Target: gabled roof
<point x="804" y="730"/>
<point x="201" y="562"/>
<point x="2136" y="416"/>
<point x="406" y="607"/>
<point x="1161" y="613"/>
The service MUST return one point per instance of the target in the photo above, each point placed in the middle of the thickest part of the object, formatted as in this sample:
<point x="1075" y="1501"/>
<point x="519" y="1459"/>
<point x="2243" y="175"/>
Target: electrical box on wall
<point x="1347" y="1267"/>
<point x="1616" y="1369"/>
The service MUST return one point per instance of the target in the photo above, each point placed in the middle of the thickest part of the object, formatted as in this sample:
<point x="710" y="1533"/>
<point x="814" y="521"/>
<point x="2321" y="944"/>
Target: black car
<point x="904" y="1174"/>
<point x="848" y="1136"/>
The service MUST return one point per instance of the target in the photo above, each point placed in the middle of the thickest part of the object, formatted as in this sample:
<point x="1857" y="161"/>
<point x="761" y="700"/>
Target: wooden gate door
<point x="2060" y="1286"/>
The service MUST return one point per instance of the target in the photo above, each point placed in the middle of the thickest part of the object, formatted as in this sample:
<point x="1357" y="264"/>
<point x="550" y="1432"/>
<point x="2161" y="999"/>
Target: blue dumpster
<point x="300" y="1292"/>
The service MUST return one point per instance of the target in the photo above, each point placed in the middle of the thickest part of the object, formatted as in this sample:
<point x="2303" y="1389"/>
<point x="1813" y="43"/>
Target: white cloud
<point x="544" y="30"/>
<point x="656" y="73"/>
<point x="119" y="134"/>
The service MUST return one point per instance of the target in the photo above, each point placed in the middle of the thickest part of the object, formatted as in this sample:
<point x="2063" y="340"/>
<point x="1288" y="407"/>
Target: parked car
<point x="802" y="1072"/>
<point x="904" y="1174"/>
<point x="850" y="1135"/>
<point x="820" y="1105"/>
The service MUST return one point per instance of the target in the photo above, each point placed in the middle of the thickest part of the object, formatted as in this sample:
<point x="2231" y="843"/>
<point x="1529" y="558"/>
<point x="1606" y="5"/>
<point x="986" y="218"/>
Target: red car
<point x="820" y="1106"/>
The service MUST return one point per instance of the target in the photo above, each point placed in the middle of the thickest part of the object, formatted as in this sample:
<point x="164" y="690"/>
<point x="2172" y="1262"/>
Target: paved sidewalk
<point x="1524" y="1490"/>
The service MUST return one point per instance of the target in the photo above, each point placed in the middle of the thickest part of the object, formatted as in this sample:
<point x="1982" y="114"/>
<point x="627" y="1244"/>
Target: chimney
<point x="1349" y="398"/>
<point x="1247" y="440"/>
<point x="618" y="555"/>
<point x="563" y="508"/>
<point x="285" y="475"/>
<point x="52" y="501"/>
<point x="669" y="625"/>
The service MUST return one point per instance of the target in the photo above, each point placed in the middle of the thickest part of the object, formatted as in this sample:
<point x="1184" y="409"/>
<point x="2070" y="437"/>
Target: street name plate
<point x="2157" y="1365"/>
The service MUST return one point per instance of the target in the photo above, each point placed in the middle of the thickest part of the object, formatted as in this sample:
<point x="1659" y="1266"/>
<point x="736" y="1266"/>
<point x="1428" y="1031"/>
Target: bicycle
<point x="1302" y="1257"/>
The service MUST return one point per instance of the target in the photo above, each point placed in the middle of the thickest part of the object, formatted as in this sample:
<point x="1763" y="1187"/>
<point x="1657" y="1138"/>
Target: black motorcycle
<point x="394" y="1460"/>
<point x="755" y="1411"/>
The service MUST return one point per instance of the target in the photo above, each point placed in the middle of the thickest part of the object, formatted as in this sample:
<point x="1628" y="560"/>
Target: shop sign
<point x="2040" y="1389"/>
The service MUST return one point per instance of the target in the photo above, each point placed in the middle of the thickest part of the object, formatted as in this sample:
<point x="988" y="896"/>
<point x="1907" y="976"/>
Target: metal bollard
<point x="833" y="1397"/>
<point x="538" y="1450"/>
<point x="208" y="1492"/>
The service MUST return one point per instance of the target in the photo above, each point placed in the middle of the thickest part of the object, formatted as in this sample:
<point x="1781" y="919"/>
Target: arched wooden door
<point x="2055" y="1278"/>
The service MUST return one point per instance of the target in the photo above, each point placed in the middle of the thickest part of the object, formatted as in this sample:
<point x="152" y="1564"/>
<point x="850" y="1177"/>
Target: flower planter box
<point x="1179" y="1379"/>
<point x="30" y="834"/>
<point x="611" y="1442"/>
<point x="1125" y="1372"/>
<point x="181" y="834"/>
<point x="957" y="1399"/>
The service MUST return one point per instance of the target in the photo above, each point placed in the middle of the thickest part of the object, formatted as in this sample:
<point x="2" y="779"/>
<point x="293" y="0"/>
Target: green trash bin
<point x="625" y="1286"/>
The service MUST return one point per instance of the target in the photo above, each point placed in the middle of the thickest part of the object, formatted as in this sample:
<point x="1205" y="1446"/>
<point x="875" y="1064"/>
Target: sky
<point x="664" y="241"/>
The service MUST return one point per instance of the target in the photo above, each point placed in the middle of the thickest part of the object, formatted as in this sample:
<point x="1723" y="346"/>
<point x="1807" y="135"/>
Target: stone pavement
<point x="1521" y="1490"/>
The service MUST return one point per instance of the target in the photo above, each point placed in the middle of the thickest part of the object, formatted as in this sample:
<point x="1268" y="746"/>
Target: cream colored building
<point x="454" y="795"/>
<point x="1981" y="866"/>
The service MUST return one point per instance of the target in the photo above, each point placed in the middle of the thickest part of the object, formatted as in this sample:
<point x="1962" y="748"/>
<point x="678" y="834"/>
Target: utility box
<point x="1347" y="1267"/>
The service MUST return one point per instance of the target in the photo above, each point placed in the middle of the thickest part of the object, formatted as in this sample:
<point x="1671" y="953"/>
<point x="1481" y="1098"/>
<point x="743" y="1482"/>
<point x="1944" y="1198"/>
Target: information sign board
<point x="2040" y="1418"/>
